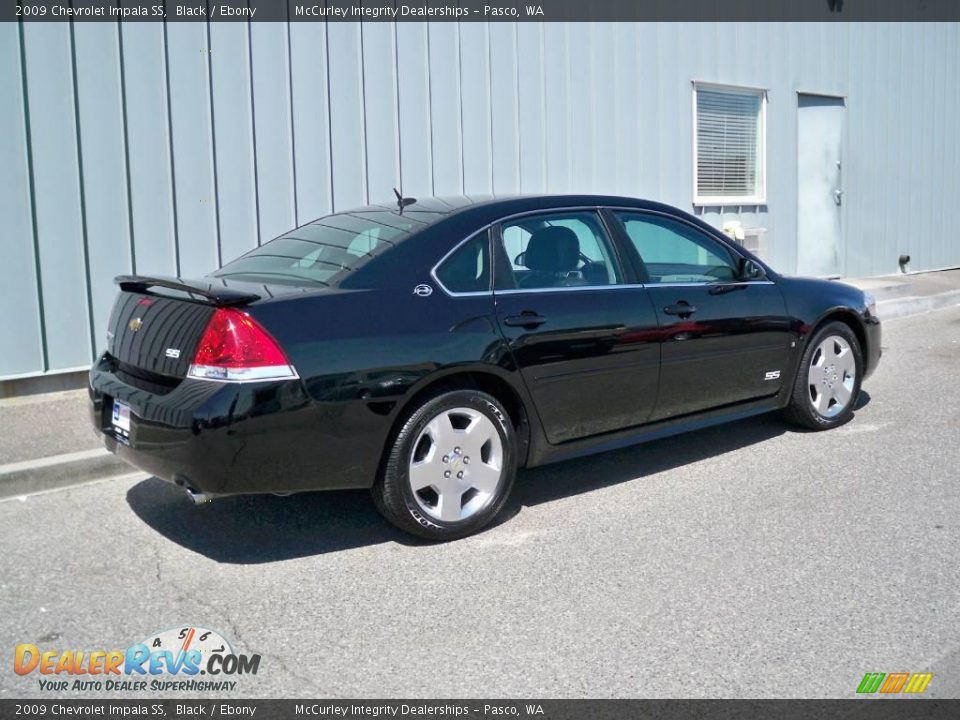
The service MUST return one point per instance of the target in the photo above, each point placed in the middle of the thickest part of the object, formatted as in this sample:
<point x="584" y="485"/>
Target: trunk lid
<point x="158" y="322"/>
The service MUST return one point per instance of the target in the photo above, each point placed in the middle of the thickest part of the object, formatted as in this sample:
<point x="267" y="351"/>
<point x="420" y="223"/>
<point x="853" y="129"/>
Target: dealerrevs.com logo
<point x="180" y="659"/>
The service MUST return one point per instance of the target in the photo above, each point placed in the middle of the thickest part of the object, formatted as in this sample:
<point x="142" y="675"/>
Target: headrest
<point x="552" y="249"/>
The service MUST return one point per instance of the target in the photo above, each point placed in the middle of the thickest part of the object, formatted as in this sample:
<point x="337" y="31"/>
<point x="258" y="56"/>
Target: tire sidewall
<point x="405" y="443"/>
<point x="802" y="390"/>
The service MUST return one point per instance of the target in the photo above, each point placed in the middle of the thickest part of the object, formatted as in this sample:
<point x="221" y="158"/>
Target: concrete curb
<point x="916" y="304"/>
<point x="58" y="471"/>
<point x="21" y="478"/>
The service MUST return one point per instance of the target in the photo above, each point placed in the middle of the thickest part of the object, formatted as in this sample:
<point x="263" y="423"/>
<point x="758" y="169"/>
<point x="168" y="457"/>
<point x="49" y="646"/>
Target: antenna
<point x="402" y="202"/>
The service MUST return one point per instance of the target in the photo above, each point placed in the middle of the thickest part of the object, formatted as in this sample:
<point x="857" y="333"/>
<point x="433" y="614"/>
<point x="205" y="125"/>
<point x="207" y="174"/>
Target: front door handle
<point x="527" y="319"/>
<point x="682" y="309"/>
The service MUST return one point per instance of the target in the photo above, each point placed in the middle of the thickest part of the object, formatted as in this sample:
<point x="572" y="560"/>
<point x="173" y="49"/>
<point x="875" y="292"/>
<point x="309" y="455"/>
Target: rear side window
<point x="558" y="250"/>
<point x="468" y="268"/>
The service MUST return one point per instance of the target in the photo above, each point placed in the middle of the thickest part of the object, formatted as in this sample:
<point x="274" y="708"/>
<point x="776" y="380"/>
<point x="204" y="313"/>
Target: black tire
<point x="393" y="494"/>
<point x="801" y="411"/>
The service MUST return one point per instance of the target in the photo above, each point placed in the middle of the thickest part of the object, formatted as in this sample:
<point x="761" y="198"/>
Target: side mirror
<point x="749" y="270"/>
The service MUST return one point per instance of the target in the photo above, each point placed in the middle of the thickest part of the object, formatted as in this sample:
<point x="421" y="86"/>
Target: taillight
<point x="234" y="347"/>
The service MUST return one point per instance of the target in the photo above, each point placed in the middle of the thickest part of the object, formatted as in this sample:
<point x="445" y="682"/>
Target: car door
<point x="582" y="332"/>
<point x="724" y="337"/>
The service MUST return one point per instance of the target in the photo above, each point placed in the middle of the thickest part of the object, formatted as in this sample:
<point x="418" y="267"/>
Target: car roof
<point x="486" y="208"/>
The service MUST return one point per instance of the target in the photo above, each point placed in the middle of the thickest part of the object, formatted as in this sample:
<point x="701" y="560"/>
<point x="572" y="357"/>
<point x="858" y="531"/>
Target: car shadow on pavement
<point x="254" y="529"/>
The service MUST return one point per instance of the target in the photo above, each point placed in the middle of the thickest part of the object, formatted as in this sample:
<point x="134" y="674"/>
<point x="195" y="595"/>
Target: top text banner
<point x="489" y="11"/>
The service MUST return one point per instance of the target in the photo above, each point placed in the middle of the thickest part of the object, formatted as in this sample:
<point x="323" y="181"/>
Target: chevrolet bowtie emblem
<point x="135" y="324"/>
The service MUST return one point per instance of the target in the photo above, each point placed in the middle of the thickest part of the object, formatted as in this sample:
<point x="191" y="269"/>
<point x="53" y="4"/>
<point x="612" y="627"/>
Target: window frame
<point x="758" y="198"/>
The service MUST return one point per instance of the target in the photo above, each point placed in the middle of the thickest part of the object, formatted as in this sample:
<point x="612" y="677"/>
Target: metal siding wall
<point x="347" y="130"/>
<point x="474" y="60"/>
<point x="19" y="296"/>
<point x="380" y="110"/>
<point x="148" y="146"/>
<point x="504" y="108"/>
<point x="416" y="161"/>
<point x="274" y="142"/>
<point x="233" y="130"/>
<point x="100" y="111"/>
<point x="192" y="140"/>
<point x="168" y="149"/>
<point x="56" y="183"/>
<point x="447" y="138"/>
<point x="531" y="108"/>
<point x="311" y="134"/>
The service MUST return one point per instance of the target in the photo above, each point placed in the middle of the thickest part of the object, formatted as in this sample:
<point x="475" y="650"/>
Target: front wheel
<point x="450" y="468"/>
<point x="828" y="379"/>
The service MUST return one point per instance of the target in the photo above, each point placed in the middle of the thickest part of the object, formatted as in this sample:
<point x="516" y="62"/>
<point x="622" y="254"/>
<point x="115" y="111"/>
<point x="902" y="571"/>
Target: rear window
<point x="326" y="250"/>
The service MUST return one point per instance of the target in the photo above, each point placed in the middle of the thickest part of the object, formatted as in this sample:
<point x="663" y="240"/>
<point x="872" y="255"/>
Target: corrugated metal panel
<point x="171" y="148"/>
<point x="20" y="318"/>
<point x="61" y="242"/>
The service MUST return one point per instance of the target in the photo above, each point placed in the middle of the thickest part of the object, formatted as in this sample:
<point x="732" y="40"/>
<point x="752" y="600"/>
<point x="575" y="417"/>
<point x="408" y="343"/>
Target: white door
<point x="819" y="185"/>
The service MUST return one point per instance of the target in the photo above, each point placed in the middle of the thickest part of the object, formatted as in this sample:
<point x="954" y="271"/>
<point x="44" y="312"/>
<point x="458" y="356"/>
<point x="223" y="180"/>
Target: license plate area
<point x="120" y="421"/>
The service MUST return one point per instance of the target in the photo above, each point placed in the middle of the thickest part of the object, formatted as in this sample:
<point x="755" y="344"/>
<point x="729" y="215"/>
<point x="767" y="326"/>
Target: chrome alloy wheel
<point x="457" y="464"/>
<point x="832" y="375"/>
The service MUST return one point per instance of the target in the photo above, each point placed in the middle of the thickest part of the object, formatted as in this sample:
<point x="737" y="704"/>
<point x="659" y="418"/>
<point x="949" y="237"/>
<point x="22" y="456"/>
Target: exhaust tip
<point x="197" y="496"/>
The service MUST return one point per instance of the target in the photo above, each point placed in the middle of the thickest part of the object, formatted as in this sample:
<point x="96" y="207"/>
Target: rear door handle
<point x="526" y="319"/>
<point x="681" y="308"/>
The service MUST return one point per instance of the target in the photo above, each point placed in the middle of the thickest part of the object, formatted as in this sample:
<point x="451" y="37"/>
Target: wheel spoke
<point x="483" y="477"/>
<point x="440" y="430"/>
<point x="819" y="356"/>
<point x="449" y="504"/>
<point x="841" y="394"/>
<point x="822" y="402"/>
<point x="422" y="474"/>
<point x="846" y="363"/>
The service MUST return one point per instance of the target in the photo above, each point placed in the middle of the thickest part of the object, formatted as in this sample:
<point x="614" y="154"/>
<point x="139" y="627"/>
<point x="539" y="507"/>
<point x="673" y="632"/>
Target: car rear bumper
<point x="220" y="438"/>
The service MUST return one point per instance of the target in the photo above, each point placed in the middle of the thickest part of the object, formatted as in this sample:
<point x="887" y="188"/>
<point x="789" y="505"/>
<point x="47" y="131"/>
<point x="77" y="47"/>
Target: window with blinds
<point x="729" y="148"/>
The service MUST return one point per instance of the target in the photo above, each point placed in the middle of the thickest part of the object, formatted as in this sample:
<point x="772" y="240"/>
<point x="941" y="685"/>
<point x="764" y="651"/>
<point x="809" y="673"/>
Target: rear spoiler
<point x="214" y="294"/>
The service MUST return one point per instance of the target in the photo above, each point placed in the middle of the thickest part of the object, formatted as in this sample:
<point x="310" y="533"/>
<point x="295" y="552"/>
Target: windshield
<point x="328" y="249"/>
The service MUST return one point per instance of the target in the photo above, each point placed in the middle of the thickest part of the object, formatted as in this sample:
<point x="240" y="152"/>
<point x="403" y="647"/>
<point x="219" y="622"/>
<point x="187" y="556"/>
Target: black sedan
<point x="429" y="348"/>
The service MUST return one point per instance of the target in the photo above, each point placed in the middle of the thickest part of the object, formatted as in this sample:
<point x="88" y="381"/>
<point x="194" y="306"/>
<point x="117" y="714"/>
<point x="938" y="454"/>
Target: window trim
<point x="759" y="198"/>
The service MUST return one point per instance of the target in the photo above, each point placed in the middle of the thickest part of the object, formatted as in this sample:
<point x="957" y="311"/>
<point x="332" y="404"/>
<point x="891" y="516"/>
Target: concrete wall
<point x="170" y="149"/>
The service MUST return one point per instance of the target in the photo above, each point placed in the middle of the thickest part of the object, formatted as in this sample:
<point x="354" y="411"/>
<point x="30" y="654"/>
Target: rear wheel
<point x="450" y="468"/>
<point x="828" y="379"/>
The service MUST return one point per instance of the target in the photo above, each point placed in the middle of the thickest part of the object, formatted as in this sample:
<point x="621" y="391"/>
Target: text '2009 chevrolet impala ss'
<point x="428" y="349"/>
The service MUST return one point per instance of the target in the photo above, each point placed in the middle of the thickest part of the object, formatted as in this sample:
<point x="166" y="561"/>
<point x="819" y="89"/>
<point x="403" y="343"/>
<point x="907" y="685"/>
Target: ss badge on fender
<point x="772" y="375"/>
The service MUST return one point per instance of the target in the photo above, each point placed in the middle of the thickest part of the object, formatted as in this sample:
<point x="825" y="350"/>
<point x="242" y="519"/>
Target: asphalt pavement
<point x="747" y="560"/>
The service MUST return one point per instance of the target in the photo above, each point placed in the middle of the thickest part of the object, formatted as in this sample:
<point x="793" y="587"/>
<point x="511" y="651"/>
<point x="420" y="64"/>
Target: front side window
<point x="558" y="250"/>
<point x="468" y="268"/>
<point x="729" y="147"/>
<point x="673" y="252"/>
